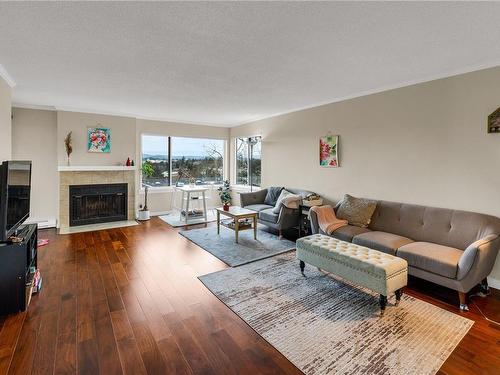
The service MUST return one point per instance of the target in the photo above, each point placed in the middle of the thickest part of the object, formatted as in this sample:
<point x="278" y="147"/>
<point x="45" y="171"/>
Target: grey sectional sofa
<point x="286" y="218"/>
<point x="456" y="249"/>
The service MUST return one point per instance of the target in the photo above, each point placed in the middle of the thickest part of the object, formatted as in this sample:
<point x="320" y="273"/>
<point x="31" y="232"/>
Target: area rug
<point x="174" y="220"/>
<point x="326" y="326"/>
<point x="245" y="251"/>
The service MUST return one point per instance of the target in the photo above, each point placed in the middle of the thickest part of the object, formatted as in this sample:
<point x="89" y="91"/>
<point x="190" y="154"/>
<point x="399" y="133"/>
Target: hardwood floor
<point x="128" y="301"/>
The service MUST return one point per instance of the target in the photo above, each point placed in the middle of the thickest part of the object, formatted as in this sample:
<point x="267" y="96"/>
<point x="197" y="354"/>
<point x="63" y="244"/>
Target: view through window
<point x="155" y="150"/>
<point x="179" y="160"/>
<point x="197" y="160"/>
<point x="248" y="161"/>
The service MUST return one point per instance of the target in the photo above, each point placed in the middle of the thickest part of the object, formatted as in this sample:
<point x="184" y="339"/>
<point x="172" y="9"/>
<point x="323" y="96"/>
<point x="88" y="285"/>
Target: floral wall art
<point x="328" y="151"/>
<point x="99" y="140"/>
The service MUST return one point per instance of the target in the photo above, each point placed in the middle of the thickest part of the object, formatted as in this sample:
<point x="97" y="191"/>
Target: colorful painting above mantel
<point x="99" y="140"/>
<point x="328" y="151"/>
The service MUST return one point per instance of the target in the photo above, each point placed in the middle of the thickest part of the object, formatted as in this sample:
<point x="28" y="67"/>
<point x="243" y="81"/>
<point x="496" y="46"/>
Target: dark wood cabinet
<point x="17" y="261"/>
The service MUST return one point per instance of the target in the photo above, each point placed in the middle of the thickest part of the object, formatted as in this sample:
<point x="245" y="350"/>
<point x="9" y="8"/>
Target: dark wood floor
<point x="128" y="301"/>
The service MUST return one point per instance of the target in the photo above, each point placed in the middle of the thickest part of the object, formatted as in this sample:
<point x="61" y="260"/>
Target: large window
<point x="179" y="160"/>
<point x="197" y="160"/>
<point x="155" y="149"/>
<point x="248" y="161"/>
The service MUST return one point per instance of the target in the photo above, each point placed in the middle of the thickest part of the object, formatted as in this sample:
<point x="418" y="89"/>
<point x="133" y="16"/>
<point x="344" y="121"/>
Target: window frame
<point x="235" y="170"/>
<point x="170" y="186"/>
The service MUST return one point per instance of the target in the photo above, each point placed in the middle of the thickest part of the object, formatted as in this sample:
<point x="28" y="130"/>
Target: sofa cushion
<point x="382" y="241"/>
<point x="272" y="195"/>
<point x="269" y="215"/>
<point x="431" y="257"/>
<point x="258" y="207"/>
<point x="357" y="211"/>
<point x="347" y="232"/>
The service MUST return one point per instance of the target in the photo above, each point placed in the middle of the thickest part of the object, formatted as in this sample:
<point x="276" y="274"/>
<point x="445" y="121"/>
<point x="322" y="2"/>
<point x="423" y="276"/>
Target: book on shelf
<point x="242" y="223"/>
<point x="193" y="213"/>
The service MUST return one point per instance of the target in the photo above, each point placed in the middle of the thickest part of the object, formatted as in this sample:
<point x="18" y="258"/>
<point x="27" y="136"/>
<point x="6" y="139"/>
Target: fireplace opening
<point x="93" y="204"/>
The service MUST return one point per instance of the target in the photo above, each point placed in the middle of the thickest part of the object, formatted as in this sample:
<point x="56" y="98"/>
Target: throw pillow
<point x="288" y="199"/>
<point x="272" y="195"/>
<point x="357" y="211"/>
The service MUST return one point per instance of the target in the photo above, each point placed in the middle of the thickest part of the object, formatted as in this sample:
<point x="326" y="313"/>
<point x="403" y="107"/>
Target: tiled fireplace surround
<point x="85" y="176"/>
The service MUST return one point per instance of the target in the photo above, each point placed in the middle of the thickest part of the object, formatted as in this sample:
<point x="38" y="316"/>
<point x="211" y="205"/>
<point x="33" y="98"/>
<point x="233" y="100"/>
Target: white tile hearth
<point x="94" y="227"/>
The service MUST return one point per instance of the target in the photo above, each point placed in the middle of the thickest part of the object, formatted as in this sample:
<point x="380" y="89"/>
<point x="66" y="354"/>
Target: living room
<point x="357" y="141"/>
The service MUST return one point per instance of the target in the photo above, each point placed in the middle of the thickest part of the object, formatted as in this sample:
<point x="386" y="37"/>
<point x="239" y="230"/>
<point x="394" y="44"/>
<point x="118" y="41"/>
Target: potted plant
<point x="225" y="195"/>
<point x="147" y="171"/>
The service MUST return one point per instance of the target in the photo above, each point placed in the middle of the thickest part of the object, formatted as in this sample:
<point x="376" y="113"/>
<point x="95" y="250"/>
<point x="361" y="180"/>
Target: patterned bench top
<point x="353" y="256"/>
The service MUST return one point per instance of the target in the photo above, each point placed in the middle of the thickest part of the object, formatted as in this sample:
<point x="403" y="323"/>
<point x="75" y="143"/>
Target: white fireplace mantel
<point x="91" y="168"/>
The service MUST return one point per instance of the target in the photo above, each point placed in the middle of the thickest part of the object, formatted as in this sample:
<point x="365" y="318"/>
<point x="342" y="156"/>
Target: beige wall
<point x="122" y="138"/>
<point x="161" y="201"/>
<point x="34" y="138"/>
<point x="39" y="135"/>
<point x="424" y="144"/>
<point x="5" y="121"/>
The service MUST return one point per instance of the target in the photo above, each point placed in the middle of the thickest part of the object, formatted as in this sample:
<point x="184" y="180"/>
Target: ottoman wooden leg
<point x="383" y="304"/>
<point x="399" y="293"/>
<point x="302" y="267"/>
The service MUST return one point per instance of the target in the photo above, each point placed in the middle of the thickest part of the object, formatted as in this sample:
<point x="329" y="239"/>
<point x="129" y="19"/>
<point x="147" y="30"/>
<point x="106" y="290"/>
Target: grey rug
<point x="245" y="251"/>
<point x="326" y="326"/>
<point x="174" y="220"/>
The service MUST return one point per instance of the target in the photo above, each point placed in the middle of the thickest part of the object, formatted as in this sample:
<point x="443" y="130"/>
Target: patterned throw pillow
<point x="357" y="211"/>
<point x="272" y="195"/>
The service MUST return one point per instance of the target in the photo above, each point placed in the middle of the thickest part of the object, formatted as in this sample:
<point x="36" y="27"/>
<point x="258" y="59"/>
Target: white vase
<point x="143" y="215"/>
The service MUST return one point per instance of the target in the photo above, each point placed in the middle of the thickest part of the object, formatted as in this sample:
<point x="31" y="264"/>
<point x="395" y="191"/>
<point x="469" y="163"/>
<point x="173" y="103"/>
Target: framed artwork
<point x="494" y="122"/>
<point x="99" y="140"/>
<point x="328" y="151"/>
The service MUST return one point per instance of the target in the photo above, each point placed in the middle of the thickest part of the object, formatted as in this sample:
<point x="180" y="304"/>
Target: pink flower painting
<point x="99" y="140"/>
<point x="328" y="151"/>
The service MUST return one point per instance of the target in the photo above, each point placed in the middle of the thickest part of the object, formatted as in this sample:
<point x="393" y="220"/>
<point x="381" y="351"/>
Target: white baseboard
<point x="43" y="224"/>
<point x="494" y="283"/>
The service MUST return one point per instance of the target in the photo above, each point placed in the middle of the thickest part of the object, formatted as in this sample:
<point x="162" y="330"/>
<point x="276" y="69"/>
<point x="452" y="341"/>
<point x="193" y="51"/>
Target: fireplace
<point x="93" y="204"/>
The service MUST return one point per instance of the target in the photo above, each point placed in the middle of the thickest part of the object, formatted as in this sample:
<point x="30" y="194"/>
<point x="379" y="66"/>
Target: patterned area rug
<point x="245" y="251"/>
<point x="326" y="326"/>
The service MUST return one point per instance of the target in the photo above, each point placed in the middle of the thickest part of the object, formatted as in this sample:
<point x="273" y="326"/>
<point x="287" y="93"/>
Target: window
<point x="248" y="161"/>
<point x="179" y="160"/>
<point x="197" y="160"/>
<point x="155" y="150"/>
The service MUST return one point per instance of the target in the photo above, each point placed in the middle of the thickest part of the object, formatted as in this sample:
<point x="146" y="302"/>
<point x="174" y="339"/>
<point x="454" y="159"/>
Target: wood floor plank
<point x="130" y="355"/>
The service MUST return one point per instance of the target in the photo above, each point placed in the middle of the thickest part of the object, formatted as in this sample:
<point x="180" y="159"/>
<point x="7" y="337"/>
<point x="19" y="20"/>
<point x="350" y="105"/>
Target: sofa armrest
<point x="481" y="254"/>
<point x="313" y="218"/>
<point x="288" y="217"/>
<point x="256" y="197"/>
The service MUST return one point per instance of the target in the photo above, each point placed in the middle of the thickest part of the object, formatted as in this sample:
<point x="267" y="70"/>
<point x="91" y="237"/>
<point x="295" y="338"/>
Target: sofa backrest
<point x="430" y="224"/>
<point x="302" y="193"/>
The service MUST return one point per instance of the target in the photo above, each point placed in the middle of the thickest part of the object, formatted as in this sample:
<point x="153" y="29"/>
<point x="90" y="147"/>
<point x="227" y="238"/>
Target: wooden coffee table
<point x="237" y="213"/>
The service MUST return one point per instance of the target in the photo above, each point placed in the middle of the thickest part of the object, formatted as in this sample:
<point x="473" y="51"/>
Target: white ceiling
<point x="231" y="63"/>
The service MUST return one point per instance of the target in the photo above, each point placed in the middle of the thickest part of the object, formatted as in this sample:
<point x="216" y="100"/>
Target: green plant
<point x="147" y="171"/>
<point x="225" y="193"/>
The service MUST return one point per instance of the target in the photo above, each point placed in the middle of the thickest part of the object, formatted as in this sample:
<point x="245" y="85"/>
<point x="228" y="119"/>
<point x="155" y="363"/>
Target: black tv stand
<point x="17" y="260"/>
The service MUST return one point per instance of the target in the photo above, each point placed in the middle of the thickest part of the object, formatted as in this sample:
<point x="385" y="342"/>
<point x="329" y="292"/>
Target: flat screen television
<point x="15" y="186"/>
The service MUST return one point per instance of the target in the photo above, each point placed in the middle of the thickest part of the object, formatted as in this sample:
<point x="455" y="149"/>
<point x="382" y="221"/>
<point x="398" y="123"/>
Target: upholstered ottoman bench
<point x="372" y="269"/>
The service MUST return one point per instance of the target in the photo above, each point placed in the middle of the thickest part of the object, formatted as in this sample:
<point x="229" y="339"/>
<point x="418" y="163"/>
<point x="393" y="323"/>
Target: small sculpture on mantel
<point x="68" y="143"/>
